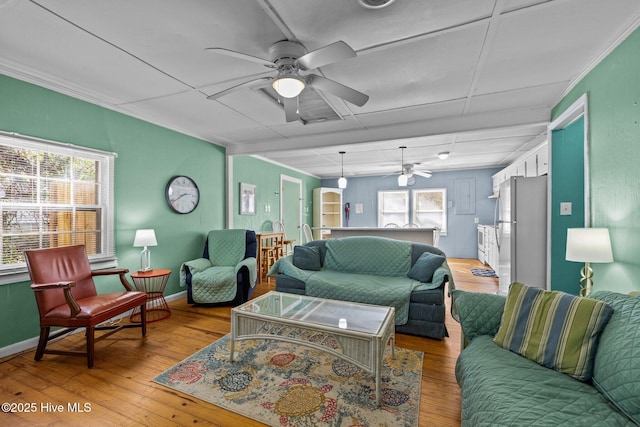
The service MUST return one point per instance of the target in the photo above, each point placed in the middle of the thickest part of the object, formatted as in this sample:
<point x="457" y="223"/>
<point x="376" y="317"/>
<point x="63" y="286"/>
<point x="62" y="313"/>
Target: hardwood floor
<point x="60" y="390"/>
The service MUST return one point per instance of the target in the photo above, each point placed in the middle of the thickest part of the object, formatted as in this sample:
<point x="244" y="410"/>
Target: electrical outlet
<point x="476" y="220"/>
<point x="565" y="208"/>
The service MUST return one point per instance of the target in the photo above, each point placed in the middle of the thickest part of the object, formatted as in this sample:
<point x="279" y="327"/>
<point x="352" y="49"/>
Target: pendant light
<point x="342" y="182"/>
<point x="402" y="178"/>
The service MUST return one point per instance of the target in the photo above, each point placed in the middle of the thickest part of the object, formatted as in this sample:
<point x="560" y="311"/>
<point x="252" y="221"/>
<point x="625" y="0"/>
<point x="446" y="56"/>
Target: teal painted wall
<point x="567" y="172"/>
<point x="148" y="155"/>
<point x="266" y="177"/>
<point x="613" y="87"/>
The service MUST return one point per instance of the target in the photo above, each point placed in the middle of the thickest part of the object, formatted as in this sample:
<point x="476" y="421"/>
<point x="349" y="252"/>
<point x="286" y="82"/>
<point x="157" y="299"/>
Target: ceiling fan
<point x="408" y="172"/>
<point x="289" y="58"/>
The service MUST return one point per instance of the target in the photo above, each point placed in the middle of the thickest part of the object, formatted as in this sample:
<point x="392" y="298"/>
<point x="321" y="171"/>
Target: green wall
<point x="148" y="155"/>
<point x="266" y="177"/>
<point x="613" y="87"/>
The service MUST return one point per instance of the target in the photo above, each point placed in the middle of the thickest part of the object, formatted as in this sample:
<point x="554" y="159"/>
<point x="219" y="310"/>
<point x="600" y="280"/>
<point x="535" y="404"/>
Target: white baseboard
<point x="32" y="343"/>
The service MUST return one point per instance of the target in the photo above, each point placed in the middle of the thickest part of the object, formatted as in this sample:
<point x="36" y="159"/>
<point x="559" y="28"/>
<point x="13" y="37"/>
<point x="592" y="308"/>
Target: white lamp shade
<point x="145" y="237"/>
<point x="342" y="182"/>
<point x="288" y="87"/>
<point x="443" y="155"/>
<point x="402" y="180"/>
<point x="589" y="245"/>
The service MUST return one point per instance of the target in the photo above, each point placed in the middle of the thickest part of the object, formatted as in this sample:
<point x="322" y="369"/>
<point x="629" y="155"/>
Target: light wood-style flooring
<point x="119" y="391"/>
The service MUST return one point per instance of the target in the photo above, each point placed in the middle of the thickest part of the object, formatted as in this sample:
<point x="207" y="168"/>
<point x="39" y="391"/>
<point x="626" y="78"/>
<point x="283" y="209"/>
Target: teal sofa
<point x="410" y="277"/>
<point x="502" y="388"/>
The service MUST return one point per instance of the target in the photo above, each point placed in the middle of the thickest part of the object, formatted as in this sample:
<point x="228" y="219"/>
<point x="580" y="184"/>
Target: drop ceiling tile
<point x="551" y="43"/>
<point x="72" y="58"/>
<point x="414" y="113"/>
<point x="174" y="40"/>
<point x="361" y="27"/>
<point x="424" y="71"/>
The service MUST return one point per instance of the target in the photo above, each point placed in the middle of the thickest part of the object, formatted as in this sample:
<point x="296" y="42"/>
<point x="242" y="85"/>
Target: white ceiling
<point x="476" y="78"/>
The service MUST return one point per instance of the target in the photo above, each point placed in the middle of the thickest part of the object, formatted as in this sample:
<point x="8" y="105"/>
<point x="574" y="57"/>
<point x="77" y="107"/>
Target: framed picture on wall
<point x="247" y="199"/>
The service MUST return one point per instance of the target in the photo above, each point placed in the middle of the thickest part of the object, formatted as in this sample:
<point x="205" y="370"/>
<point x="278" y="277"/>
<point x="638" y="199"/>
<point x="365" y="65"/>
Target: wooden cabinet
<point x="327" y="211"/>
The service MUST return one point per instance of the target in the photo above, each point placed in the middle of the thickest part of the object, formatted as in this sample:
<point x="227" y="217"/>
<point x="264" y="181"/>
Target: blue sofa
<point x="502" y="388"/>
<point x="408" y="276"/>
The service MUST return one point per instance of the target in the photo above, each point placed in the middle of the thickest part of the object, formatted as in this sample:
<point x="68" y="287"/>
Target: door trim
<point x="297" y="181"/>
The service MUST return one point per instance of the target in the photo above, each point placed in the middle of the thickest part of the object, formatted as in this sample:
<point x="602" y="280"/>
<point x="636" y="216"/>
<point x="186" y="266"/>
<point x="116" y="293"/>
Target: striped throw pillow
<point x="554" y="329"/>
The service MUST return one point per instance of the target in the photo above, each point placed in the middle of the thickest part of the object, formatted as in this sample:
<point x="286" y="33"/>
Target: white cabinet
<point x="497" y="179"/>
<point x="542" y="159"/>
<point x="327" y="211"/>
<point x="534" y="163"/>
<point x="491" y="247"/>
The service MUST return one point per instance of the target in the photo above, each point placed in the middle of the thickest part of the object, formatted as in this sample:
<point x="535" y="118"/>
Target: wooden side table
<point x="153" y="283"/>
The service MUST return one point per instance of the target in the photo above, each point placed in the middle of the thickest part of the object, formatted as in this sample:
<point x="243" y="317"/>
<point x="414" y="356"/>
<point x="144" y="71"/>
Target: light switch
<point x="565" y="208"/>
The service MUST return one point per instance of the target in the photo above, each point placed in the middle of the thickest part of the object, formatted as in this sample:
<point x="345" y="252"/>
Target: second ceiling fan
<point x="289" y="58"/>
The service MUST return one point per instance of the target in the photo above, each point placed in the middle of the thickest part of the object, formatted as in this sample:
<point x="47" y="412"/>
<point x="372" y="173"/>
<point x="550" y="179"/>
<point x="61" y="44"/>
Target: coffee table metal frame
<point x="364" y="348"/>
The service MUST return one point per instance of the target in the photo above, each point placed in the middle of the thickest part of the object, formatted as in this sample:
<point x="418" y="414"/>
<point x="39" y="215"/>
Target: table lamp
<point x="144" y="238"/>
<point x="588" y="245"/>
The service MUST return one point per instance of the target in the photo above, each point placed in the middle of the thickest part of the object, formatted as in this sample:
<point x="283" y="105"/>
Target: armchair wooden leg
<point x="42" y="343"/>
<point x="91" y="332"/>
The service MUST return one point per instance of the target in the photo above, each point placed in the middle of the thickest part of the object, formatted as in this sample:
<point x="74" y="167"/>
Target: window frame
<point x="414" y="209"/>
<point x="381" y="194"/>
<point x="106" y="258"/>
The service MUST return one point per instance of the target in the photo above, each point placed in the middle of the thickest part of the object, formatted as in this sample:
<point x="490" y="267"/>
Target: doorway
<point x="569" y="184"/>
<point x="291" y="207"/>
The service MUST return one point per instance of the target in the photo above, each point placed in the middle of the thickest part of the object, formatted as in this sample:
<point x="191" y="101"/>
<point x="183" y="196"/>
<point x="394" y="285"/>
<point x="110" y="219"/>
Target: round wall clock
<point x="182" y="194"/>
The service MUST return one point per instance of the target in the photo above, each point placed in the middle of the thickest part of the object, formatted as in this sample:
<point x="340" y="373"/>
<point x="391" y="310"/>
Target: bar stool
<point x="287" y="244"/>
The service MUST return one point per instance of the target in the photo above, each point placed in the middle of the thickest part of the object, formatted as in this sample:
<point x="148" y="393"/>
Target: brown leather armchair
<point x="62" y="281"/>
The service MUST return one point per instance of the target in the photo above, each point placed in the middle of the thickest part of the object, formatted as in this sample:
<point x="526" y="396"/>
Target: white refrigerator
<point x="521" y="227"/>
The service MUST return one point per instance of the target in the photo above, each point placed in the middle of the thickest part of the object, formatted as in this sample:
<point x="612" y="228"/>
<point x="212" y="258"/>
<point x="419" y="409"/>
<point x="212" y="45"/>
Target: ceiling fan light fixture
<point x="288" y="87"/>
<point x="443" y="155"/>
<point x="342" y="181"/>
<point x="375" y="4"/>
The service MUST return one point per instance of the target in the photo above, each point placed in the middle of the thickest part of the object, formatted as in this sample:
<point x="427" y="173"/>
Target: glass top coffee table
<point x="355" y="332"/>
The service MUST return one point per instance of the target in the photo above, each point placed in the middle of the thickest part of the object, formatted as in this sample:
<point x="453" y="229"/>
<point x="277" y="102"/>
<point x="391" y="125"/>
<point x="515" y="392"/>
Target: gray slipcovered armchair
<point x="227" y="272"/>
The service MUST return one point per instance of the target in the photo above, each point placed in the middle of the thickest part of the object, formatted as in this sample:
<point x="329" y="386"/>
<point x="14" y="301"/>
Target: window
<point x="430" y="208"/>
<point x="393" y="208"/>
<point x="51" y="195"/>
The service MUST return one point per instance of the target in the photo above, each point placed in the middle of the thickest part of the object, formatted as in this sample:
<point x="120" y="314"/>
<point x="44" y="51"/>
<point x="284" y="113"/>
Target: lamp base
<point x="145" y="260"/>
<point x="586" y="282"/>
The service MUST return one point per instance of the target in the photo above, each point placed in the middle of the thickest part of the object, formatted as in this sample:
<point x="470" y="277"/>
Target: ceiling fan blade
<point x="425" y="174"/>
<point x="326" y="55"/>
<point x="290" y="109"/>
<point x="249" y="83"/>
<point x="337" y="89"/>
<point x="244" y="56"/>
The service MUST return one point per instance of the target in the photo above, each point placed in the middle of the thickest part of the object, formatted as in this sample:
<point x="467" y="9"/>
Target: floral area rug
<point x="283" y="384"/>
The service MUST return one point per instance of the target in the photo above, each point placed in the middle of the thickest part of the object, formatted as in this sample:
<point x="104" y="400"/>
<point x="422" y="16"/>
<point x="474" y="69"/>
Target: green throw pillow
<point x="425" y="266"/>
<point x="307" y="257"/>
<point x="554" y="329"/>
